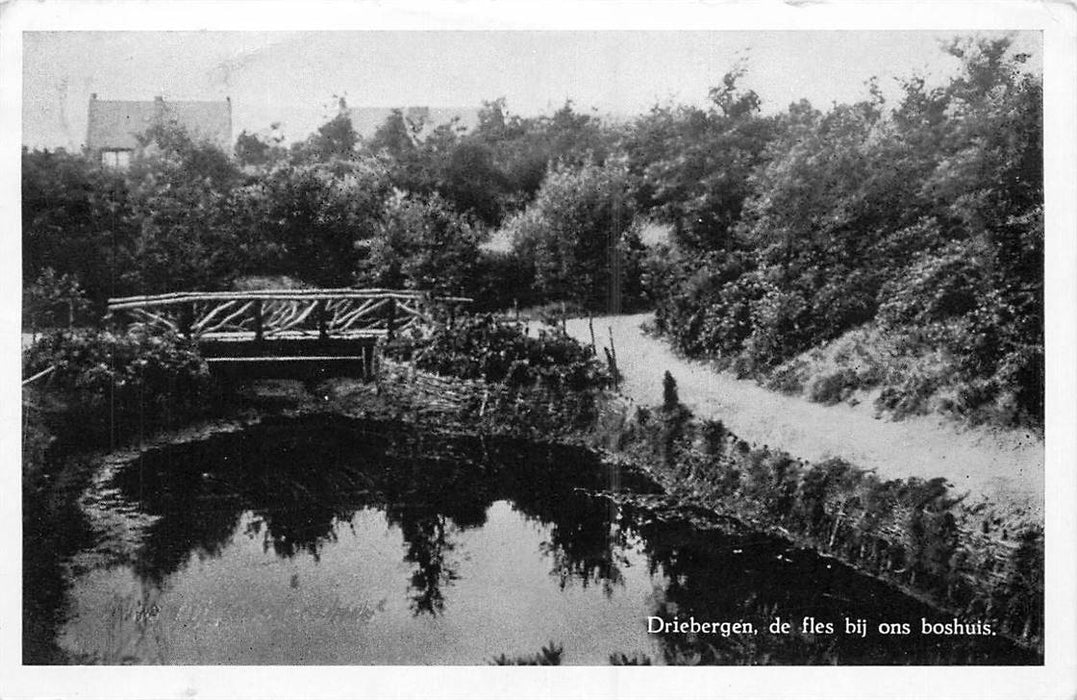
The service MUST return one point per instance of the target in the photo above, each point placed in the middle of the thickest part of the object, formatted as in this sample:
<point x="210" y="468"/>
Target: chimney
<point x="93" y="96"/>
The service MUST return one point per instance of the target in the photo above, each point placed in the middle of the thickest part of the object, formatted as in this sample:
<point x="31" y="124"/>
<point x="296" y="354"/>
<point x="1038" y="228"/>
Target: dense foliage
<point x="922" y="220"/>
<point x="113" y="384"/>
<point x="480" y="347"/>
<point x="422" y="244"/>
<point x="566" y="235"/>
<point x="917" y="224"/>
<point x="410" y="206"/>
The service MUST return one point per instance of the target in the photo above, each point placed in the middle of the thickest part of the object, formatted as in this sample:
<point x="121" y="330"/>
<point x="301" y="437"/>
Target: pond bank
<point x="973" y="558"/>
<point x="912" y="535"/>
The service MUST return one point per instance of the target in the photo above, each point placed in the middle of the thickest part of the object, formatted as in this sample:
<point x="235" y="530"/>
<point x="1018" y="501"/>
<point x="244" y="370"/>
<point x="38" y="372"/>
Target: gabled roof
<point x="366" y="120"/>
<point x="116" y="124"/>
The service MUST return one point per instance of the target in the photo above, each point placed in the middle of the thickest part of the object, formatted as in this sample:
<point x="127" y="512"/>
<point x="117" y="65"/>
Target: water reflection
<point x="286" y="544"/>
<point x="303" y="482"/>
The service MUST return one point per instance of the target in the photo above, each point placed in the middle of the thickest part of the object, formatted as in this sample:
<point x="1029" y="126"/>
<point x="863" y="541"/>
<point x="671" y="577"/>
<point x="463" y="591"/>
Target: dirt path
<point x="1003" y="466"/>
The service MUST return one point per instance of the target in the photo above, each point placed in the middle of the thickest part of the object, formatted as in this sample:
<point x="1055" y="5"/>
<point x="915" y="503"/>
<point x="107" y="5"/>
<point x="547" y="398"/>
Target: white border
<point x="1057" y="679"/>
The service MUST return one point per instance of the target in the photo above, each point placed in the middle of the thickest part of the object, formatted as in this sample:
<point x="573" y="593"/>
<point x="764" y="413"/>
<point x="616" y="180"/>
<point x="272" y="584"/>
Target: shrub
<point x="54" y="301"/>
<point x="788" y="377"/>
<point x="938" y="286"/>
<point x="565" y="233"/>
<point x="112" y="381"/>
<point x="910" y="398"/>
<point x="834" y="388"/>
<point x="479" y="347"/>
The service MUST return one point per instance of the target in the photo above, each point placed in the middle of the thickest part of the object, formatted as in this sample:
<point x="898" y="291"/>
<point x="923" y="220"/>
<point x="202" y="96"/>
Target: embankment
<point x="1003" y="468"/>
<point x="967" y="557"/>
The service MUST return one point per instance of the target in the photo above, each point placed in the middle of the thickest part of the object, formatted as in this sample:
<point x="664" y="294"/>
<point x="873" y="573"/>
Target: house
<point x="113" y="126"/>
<point x="423" y="120"/>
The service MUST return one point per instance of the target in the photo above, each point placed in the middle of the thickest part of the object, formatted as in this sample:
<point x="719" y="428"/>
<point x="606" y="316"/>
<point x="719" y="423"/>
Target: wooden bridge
<point x="294" y="333"/>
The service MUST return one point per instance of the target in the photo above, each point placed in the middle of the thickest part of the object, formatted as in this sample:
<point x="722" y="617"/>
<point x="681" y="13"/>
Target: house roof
<point x="366" y="120"/>
<point x="116" y="124"/>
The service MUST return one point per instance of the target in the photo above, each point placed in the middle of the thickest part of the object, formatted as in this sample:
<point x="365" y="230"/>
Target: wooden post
<point x="564" y="317"/>
<point x="390" y="322"/>
<point x="591" y="327"/>
<point x="323" y="329"/>
<point x="186" y="319"/>
<point x="258" y="330"/>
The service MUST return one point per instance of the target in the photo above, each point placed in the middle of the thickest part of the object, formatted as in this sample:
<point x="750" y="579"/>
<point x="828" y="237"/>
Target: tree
<point x="473" y="183"/>
<point x="337" y="137"/>
<point x="259" y="150"/>
<point x="923" y="218"/>
<point x="179" y="188"/>
<point x="75" y="221"/>
<point x="305" y="219"/>
<point x="567" y="230"/>
<point x="690" y="167"/>
<point x="421" y="244"/>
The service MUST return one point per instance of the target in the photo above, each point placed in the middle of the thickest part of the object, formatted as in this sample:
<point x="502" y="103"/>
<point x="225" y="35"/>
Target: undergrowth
<point x="903" y="374"/>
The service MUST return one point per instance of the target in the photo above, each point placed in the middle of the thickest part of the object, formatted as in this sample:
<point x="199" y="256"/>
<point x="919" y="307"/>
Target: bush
<point x="834" y="388"/>
<point x="788" y="378"/>
<point x="937" y="286"/>
<point x="53" y="301"/>
<point x="565" y="234"/>
<point x="910" y="398"/>
<point x="117" y="382"/>
<point x="479" y="347"/>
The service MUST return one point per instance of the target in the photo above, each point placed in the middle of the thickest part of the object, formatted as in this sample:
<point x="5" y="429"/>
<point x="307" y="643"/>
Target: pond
<point x="328" y="540"/>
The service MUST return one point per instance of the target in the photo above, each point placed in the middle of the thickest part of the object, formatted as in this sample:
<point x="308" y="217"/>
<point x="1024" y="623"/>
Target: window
<point x="116" y="159"/>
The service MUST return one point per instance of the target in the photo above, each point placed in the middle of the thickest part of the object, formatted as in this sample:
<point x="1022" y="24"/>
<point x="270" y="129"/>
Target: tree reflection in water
<point x="301" y="480"/>
<point x="428" y="547"/>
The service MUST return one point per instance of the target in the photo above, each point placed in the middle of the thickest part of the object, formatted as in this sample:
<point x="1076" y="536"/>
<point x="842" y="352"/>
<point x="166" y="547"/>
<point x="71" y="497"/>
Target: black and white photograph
<point x="430" y="341"/>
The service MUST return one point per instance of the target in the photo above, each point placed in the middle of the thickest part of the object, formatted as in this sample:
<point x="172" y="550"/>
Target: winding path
<point x="1004" y="466"/>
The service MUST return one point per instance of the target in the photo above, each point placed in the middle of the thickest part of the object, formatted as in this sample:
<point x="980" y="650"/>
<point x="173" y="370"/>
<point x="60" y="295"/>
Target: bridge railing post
<point x="321" y="313"/>
<point x="258" y="329"/>
<point x="186" y="319"/>
<point x="390" y="322"/>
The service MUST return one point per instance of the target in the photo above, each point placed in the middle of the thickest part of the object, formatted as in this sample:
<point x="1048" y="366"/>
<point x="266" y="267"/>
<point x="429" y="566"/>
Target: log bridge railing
<point x="282" y="332"/>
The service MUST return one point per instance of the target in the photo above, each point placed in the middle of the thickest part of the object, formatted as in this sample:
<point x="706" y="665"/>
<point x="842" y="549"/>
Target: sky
<point x="293" y="77"/>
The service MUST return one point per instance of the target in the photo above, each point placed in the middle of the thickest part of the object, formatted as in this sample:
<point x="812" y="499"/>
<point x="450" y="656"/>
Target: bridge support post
<point x="390" y="323"/>
<point x="320" y="312"/>
<point x="258" y="330"/>
<point x="186" y="320"/>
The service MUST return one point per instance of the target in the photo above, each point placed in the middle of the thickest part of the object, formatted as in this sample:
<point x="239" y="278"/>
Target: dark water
<point x="329" y="541"/>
